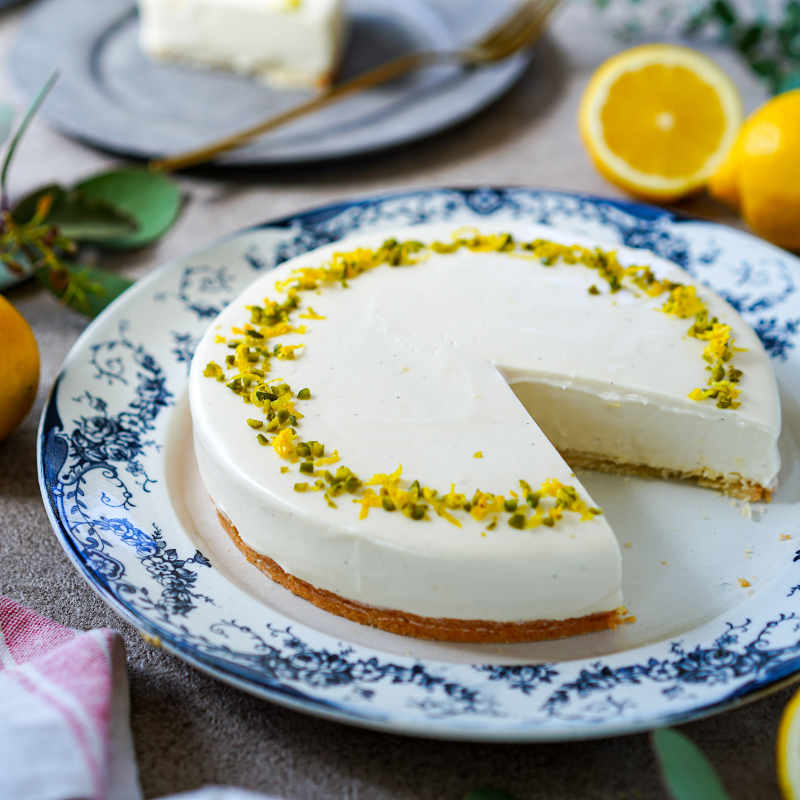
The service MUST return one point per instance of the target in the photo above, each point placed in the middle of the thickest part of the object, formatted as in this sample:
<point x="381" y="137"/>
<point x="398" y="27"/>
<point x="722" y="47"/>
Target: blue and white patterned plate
<point x="119" y="485"/>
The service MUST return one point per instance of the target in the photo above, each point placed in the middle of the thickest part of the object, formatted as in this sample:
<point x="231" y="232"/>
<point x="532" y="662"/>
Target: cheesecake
<point x="390" y="426"/>
<point x="286" y="43"/>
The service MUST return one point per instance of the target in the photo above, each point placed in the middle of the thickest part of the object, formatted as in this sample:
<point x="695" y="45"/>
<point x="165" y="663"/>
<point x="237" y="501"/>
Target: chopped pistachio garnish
<point x="214" y="370"/>
<point x="251" y="361"/>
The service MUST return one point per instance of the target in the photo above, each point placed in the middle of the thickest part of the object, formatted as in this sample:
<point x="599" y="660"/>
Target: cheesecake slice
<point x="286" y="43"/>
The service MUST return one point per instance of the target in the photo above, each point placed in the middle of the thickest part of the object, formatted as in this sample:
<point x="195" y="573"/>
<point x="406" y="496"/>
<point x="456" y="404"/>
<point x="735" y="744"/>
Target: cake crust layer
<point x="444" y="630"/>
<point x="741" y="489"/>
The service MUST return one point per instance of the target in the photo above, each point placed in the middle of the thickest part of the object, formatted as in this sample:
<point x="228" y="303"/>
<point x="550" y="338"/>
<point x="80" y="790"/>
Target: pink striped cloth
<point x="64" y="714"/>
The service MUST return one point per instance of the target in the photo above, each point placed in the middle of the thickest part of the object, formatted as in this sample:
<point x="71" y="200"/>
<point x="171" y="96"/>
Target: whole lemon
<point x="19" y="368"/>
<point x="761" y="176"/>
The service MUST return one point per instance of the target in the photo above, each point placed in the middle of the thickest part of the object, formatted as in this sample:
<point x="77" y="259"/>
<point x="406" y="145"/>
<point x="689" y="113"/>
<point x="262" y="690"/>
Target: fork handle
<point x="374" y="77"/>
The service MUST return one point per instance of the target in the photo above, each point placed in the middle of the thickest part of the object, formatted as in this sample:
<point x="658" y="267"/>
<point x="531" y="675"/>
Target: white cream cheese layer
<point x="427" y="365"/>
<point x="292" y="43"/>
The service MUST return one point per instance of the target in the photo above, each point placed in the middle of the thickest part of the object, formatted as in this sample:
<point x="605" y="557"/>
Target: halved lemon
<point x="658" y="120"/>
<point x="788" y="751"/>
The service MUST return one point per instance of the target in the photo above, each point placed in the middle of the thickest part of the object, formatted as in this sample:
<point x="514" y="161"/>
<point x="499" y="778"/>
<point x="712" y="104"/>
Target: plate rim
<point x="303" y="702"/>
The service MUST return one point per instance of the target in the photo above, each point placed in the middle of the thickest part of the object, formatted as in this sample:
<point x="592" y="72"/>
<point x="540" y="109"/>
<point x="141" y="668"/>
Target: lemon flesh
<point x="658" y="120"/>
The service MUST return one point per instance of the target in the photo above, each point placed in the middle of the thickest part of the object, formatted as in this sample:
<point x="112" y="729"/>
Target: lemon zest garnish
<point x="331" y="459"/>
<point x="683" y="302"/>
<point x="283" y="444"/>
<point x="251" y="360"/>
<point x="379" y="479"/>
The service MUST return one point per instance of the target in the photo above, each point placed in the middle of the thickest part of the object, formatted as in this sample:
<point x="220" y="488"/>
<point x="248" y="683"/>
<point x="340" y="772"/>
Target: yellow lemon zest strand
<point x="484" y="504"/>
<point x="368" y="500"/>
<point x="278" y="329"/>
<point x="683" y="302"/>
<point x="331" y="459"/>
<point x="250" y="359"/>
<point x="283" y="445"/>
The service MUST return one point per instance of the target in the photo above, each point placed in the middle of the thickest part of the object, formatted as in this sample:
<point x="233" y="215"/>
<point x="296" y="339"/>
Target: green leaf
<point x="724" y="12"/>
<point x="488" y="794"/>
<point x="791" y="81"/>
<point x="150" y="198"/>
<point x="750" y="37"/>
<point x="97" y="288"/>
<point x="687" y="773"/>
<point x="6" y="118"/>
<point x="78" y="215"/>
<point x="767" y="67"/>
<point x="34" y="107"/>
<point x="24" y="210"/>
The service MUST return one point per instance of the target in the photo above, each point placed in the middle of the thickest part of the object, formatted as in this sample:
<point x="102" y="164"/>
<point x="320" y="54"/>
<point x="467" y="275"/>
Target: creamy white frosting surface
<point x="284" y="43"/>
<point x="425" y="366"/>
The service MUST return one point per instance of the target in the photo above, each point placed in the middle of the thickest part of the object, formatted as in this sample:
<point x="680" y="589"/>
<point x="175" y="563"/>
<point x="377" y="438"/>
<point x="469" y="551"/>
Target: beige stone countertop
<point x="191" y="730"/>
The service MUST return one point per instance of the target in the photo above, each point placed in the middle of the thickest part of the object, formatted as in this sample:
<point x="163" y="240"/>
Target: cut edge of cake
<point x="738" y="488"/>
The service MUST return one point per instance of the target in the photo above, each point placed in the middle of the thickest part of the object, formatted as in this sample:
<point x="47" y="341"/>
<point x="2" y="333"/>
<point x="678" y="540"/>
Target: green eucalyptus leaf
<point x="96" y="288"/>
<point x="790" y="82"/>
<point x="724" y="12"/>
<point x="152" y="199"/>
<point x="78" y="215"/>
<point x="749" y="38"/>
<point x="488" y="793"/>
<point x="687" y="773"/>
<point x="34" y="107"/>
<point x="6" y="118"/>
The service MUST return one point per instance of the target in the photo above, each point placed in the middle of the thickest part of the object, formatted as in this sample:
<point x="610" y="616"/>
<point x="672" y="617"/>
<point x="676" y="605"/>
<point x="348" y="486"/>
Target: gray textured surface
<point x="190" y="730"/>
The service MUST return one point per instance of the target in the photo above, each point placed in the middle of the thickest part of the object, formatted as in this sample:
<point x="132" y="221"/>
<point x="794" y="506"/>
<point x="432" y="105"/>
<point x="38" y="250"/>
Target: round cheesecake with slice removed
<point x="389" y="427"/>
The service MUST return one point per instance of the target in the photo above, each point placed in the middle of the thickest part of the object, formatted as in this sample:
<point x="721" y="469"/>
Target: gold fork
<point x="520" y="29"/>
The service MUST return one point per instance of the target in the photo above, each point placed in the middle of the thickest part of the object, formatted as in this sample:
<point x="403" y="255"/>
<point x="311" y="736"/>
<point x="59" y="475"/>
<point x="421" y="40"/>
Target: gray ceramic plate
<point x="110" y="95"/>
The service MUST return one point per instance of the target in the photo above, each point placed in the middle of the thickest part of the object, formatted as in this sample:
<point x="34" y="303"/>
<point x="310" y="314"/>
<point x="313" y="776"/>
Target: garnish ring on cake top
<point x="457" y="383"/>
<point x="253" y="354"/>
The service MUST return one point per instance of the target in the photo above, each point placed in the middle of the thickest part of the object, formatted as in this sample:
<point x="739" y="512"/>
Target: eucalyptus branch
<point x="121" y="209"/>
<point x="770" y="48"/>
<point x="34" y="107"/>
